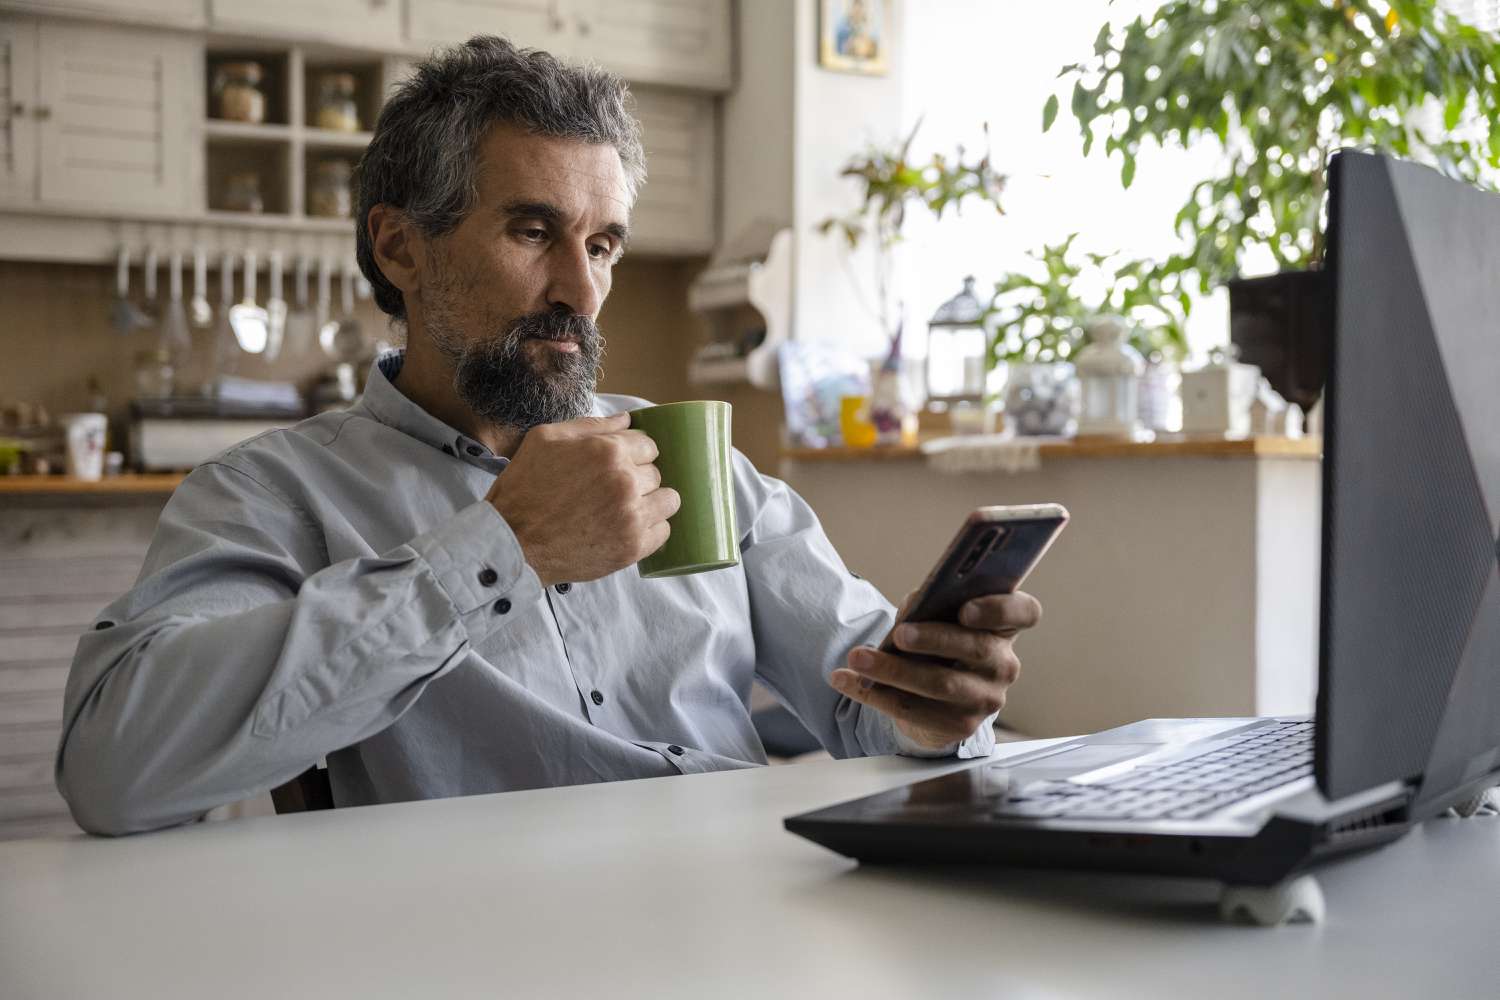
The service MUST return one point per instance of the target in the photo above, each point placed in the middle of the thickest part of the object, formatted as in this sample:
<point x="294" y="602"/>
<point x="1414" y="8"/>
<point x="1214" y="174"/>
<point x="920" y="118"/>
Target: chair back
<point x="307" y="792"/>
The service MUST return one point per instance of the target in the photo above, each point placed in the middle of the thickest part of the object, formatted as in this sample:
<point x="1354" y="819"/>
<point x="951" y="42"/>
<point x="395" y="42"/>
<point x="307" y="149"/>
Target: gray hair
<point x="423" y="158"/>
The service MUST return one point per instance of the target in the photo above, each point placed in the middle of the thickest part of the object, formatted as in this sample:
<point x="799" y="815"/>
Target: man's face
<point x="509" y="298"/>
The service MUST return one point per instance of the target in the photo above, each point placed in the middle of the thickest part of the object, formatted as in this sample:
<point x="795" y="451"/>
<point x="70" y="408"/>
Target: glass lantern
<point x="956" y="345"/>
<point x="1109" y="375"/>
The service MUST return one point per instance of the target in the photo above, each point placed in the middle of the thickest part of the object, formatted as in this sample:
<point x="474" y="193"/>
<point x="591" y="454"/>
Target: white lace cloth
<point x="985" y="453"/>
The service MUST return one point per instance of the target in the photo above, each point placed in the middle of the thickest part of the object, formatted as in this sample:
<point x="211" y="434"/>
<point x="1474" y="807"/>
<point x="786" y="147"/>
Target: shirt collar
<point x="392" y="407"/>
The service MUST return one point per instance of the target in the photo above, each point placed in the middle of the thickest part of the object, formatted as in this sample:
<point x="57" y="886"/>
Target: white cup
<point x="85" y="435"/>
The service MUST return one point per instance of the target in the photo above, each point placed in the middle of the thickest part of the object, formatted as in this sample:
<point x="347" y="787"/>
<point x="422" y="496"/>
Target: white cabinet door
<point x="17" y="111"/>
<point x="534" y="24"/>
<point x="370" y="22"/>
<point x="675" y="212"/>
<point x="178" y="13"/>
<point x="680" y="43"/>
<point x="121" y="113"/>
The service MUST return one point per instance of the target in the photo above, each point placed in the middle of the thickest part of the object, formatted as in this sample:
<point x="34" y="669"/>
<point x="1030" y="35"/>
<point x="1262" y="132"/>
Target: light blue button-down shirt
<point x="342" y="589"/>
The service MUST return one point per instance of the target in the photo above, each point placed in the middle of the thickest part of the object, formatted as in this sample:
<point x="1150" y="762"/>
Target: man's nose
<point x="572" y="282"/>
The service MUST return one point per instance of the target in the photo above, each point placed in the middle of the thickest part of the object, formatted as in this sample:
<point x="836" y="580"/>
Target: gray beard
<point x="503" y="386"/>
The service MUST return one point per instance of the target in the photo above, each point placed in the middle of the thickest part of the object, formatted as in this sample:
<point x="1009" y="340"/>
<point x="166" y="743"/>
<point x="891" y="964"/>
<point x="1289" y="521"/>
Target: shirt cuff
<point x="478" y="562"/>
<point x="981" y="743"/>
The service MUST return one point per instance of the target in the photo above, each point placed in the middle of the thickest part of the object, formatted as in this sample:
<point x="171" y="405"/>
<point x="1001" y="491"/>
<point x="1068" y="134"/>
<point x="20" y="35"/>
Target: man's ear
<point x="397" y="247"/>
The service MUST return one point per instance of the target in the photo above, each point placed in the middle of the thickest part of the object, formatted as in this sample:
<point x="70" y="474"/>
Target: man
<point x="435" y="589"/>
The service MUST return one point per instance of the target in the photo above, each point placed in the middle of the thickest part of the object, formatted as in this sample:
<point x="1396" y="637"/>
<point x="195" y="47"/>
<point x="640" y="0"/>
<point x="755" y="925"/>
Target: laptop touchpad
<point x="1077" y="760"/>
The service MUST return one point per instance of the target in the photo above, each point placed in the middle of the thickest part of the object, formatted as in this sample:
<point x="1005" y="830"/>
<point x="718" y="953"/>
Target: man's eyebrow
<point x="531" y="210"/>
<point x="620" y="232"/>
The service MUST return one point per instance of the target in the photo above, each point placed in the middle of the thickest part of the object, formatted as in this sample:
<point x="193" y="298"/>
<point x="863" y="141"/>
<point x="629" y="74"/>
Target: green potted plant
<point x="1039" y="315"/>
<point x="892" y="184"/>
<point x="1037" y="320"/>
<point x="1280" y="85"/>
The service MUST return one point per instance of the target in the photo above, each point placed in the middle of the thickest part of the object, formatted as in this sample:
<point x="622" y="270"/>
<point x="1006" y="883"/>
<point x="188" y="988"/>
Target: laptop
<point x="1407" y="720"/>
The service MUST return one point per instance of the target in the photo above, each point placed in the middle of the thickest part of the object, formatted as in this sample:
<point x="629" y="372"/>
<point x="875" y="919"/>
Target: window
<point x="972" y="61"/>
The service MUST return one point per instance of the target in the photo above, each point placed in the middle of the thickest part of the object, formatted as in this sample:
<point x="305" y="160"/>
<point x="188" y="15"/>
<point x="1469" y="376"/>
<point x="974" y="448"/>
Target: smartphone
<point x="994" y="550"/>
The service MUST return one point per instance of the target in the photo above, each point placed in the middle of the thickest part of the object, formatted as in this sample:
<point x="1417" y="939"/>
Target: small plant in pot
<point x="1280" y="85"/>
<point x="893" y="183"/>
<point x="1037" y="320"/>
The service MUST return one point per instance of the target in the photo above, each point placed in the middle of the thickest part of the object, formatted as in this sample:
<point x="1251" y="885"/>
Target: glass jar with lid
<point x="242" y="192"/>
<point x="329" y="194"/>
<point x="155" y="375"/>
<point x="336" y="108"/>
<point x="1041" y="398"/>
<point x="237" y="93"/>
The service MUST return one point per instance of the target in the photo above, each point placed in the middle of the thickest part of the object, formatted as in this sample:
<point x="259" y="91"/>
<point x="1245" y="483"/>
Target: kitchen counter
<point x="1186" y="583"/>
<point x="1254" y="447"/>
<point x="68" y="547"/>
<point x="127" y="483"/>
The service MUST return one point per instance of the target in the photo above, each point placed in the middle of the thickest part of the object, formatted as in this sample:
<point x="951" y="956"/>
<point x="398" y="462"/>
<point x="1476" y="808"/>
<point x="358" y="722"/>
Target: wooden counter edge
<point x="1256" y="447"/>
<point x="129" y="482"/>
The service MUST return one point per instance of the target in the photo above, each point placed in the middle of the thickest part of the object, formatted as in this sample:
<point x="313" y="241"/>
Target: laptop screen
<point x="1409" y="683"/>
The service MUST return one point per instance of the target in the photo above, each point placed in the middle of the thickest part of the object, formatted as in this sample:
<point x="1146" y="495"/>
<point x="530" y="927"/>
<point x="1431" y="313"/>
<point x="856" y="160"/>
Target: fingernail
<point x="906" y="634"/>
<point x="969" y="615"/>
<point x="862" y="659"/>
<point x="847" y="680"/>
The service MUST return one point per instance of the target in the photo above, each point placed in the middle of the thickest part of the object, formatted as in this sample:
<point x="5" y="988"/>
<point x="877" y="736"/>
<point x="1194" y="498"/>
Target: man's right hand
<point x="584" y="498"/>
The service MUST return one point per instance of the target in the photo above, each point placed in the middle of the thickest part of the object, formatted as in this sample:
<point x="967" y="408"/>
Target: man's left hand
<point x="950" y="678"/>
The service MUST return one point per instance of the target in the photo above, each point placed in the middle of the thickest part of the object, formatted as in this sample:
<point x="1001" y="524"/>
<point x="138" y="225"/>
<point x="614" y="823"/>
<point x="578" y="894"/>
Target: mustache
<point x="554" y="325"/>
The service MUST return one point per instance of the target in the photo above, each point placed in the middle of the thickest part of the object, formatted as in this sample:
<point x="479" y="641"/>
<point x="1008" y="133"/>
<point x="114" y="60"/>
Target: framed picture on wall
<point x="854" y="36"/>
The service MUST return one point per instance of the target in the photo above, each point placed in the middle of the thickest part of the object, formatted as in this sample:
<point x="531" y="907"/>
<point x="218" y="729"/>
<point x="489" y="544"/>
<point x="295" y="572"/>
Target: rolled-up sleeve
<point x="807" y="612"/>
<point x="241" y="657"/>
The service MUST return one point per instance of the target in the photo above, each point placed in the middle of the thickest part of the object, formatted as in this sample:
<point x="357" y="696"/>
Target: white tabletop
<point x="689" y="887"/>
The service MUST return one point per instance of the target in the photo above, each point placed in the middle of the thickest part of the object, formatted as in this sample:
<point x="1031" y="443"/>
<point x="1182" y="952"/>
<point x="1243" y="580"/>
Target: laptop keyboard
<point x="1187" y="788"/>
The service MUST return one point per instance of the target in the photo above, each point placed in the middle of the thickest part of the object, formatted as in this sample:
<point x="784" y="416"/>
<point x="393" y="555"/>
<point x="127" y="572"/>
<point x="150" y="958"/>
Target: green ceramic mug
<point x="694" y="444"/>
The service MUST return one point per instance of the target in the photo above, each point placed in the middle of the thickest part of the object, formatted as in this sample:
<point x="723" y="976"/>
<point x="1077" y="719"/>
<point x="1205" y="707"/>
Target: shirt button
<point x="502" y="606"/>
<point x="488" y="577"/>
<point x="474" y="450"/>
<point x="598" y="697"/>
<point x="675" y="750"/>
<point x="563" y="588"/>
<point x="101" y="626"/>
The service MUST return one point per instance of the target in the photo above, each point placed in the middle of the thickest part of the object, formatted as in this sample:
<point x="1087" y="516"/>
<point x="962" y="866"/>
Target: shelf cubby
<point x="275" y="83"/>
<point x="285" y="150"/>
<point x="267" y="159"/>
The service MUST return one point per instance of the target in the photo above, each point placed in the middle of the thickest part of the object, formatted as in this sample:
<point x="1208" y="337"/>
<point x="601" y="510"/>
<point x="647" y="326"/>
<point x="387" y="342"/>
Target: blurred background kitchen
<point x="936" y="253"/>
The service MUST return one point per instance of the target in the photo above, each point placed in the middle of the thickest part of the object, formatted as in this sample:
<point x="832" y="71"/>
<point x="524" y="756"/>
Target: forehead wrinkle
<point x="514" y="161"/>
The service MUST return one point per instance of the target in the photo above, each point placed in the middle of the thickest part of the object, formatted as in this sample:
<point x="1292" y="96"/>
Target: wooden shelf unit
<point x="1253" y="447"/>
<point x="161" y="483"/>
<point x="287" y="145"/>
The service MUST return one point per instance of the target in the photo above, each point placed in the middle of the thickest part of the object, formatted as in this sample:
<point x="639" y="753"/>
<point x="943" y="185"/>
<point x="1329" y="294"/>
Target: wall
<point x="651" y="333"/>
<point x="789" y="128"/>
<point x="756" y="124"/>
<point x="837" y="116"/>
<point x="55" y="334"/>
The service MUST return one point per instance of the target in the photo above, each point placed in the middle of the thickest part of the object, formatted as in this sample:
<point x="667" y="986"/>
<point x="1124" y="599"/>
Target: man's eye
<point x="600" y="251"/>
<point x="533" y="233"/>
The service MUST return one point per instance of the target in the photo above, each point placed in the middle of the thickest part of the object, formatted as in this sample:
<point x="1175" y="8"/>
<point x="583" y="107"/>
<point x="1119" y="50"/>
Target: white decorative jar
<point x="1109" y="376"/>
<point x="1217" y="398"/>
